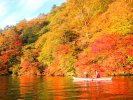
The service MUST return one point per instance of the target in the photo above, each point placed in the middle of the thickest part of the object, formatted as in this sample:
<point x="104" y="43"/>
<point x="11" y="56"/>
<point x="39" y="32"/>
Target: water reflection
<point x="3" y="87"/>
<point x="9" y="88"/>
<point x="64" y="88"/>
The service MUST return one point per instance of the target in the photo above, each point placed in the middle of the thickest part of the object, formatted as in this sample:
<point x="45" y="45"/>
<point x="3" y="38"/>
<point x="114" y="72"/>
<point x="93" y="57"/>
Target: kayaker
<point x="97" y="74"/>
<point x="85" y="74"/>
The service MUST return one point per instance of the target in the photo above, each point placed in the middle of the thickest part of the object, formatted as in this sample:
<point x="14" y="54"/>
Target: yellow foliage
<point x="117" y="19"/>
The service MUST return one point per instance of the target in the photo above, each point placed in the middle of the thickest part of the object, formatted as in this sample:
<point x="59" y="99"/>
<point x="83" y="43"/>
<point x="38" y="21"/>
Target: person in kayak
<point x="85" y="75"/>
<point x="97" y="74"/>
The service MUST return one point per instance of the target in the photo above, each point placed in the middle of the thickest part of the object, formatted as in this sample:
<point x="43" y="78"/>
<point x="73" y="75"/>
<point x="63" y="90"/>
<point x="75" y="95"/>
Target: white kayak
<point x="92" y="79"/>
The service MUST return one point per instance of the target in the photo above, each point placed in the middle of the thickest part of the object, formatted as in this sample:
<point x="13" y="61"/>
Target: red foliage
<point x="10" y="50"/>
<point x="104" y="42"/>
<point x="108" y="53"/>
<point x="5" y="58"/>
<point x="17" y="43"/>
<point x="129" y="51"/>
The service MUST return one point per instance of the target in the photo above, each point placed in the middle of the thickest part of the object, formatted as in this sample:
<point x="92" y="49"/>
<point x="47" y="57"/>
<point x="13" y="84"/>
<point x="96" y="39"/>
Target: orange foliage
<point x="63" y="49"/>
<point x="21" y="25"/>
<point x="29" y="68"/>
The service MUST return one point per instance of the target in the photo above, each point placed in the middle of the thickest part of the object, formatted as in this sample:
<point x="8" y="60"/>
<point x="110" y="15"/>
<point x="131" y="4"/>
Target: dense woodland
<point x="78" y="36"/>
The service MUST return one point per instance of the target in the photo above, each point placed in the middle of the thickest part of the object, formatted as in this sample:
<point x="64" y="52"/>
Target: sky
<point x="12" y="11"/>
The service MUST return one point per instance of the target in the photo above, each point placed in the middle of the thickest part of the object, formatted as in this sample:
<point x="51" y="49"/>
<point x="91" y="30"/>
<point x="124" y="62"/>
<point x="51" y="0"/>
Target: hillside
<point x="77" y="36"/>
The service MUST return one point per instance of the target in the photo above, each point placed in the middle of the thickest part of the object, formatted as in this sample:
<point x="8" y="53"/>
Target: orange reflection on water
<point x="25" y="84"/>
<point x="89" y="90"/>
<point x="56" y="87"/>
<point x="61" y="88"/>
<point x="118" y="88"/>
<point x="121" y="87"/>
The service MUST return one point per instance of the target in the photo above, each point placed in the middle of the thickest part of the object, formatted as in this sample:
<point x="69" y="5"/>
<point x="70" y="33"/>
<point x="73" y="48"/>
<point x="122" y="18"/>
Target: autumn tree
<point x="10" y="49"/>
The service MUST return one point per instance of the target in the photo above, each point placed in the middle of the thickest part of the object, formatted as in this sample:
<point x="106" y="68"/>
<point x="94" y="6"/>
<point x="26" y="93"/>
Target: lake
<point x="64" y="88"/>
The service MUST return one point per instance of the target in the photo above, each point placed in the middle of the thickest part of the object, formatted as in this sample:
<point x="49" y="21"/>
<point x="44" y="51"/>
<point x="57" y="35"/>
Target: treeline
<point x="78" y="36"/>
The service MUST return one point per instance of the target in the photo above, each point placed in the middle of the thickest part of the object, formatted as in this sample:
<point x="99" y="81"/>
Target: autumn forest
<point x="78" y="36"/>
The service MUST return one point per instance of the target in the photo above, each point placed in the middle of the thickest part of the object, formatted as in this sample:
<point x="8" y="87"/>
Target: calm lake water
<point x="64" y="88"/>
